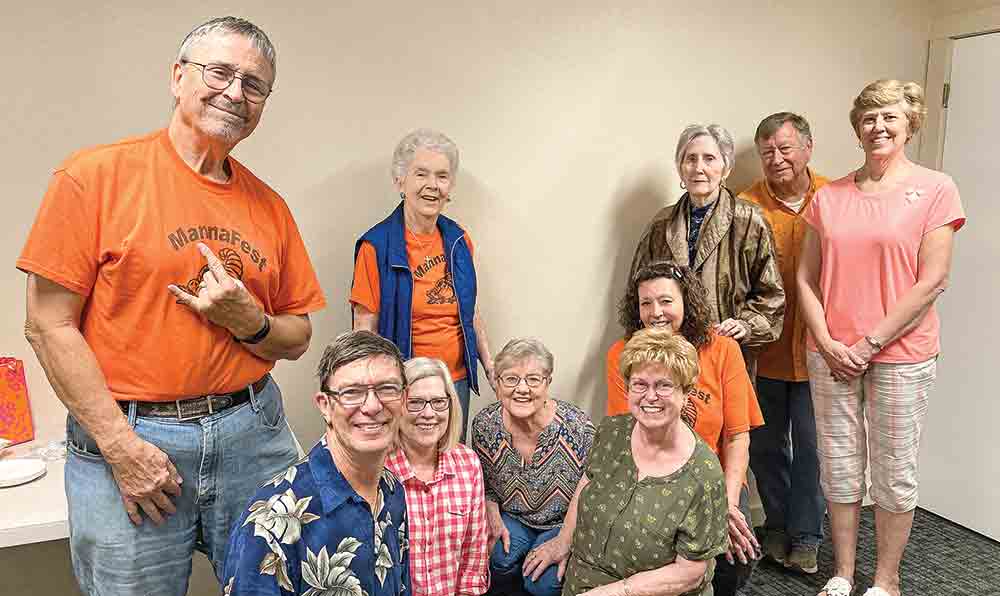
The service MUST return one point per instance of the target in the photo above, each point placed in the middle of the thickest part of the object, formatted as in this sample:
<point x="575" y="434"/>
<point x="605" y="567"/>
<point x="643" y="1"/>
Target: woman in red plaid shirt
<point x="443" y="482"/>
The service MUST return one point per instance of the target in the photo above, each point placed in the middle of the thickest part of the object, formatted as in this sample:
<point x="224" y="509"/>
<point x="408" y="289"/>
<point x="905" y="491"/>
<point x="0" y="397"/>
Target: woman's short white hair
<point x="719" y="134"/>
<point x="423" y="138"/>
<point x="520" y="349"/>
<point x="422" y="367"/>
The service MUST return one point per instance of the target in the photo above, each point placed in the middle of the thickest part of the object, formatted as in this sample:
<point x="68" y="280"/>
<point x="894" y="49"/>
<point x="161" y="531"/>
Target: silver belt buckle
<point x="182" y="418"/>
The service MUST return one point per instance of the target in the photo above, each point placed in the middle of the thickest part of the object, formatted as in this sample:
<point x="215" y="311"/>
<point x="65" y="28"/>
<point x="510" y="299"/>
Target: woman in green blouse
<point x="650" y="513"/>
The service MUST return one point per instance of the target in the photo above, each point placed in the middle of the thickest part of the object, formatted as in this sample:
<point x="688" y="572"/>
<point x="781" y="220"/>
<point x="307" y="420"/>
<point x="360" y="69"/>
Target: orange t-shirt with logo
<point x="435" y="327"/>
<point x="120" y="222"/>
<point x="721" y="404"/>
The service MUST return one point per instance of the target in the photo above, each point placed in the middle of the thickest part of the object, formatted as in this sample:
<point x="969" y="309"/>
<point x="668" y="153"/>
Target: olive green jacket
<point x="734" y="259"/>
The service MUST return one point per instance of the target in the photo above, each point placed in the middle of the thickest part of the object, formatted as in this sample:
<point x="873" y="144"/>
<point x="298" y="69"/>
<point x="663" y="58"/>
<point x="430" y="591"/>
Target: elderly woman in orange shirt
<point x="414" y="278"/>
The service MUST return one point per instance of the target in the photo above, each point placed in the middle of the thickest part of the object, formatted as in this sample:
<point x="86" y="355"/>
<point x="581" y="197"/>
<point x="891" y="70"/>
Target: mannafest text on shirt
<point x="179" y="238"/>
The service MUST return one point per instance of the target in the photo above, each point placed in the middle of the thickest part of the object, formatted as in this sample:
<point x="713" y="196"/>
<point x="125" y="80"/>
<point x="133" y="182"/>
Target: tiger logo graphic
<point x="232" y="263"/>
<point x="443" y="291"/>
<point x="689" y="413"/>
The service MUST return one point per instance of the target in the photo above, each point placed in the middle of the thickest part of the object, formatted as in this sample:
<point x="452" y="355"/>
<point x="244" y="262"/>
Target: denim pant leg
<point x="505" y="567"/>
<point x="110" y="555"/>
<point x="462" y="389"/>
<point x="548" y="583"/>
<point x="734" y="580"/>
<point x="770" y="456"/>
<point x="245" y="447"/>
<point x="806" y="505"/>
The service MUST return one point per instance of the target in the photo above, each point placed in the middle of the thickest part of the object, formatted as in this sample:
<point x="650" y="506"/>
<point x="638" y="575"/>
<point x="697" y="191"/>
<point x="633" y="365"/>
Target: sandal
<point x="876" y="591"/>
<point x="838" y="586"/>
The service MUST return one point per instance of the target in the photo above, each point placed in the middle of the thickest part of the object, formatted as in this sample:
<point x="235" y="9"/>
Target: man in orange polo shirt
<point x="788" y="486"/>
<point x="164" y="281"/>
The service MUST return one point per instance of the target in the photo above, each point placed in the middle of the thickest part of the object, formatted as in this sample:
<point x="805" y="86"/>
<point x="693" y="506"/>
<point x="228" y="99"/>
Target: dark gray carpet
<point x="942" y="559"/>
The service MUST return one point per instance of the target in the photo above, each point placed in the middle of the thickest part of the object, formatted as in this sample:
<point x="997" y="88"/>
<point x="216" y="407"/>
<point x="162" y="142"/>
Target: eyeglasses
<point x="661" y="388"/>
<point x="438" y="404"/>
<point x="784" y="150"/>
<point x="512" y="381"/>
<point x="356" y="395"/>
<point x="219" y="77"/>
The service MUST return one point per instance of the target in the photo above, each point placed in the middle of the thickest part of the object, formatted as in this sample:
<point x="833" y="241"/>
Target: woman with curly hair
<point x="722" y="407"/>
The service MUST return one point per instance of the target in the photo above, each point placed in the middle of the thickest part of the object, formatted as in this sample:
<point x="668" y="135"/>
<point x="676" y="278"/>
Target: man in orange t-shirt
<point x="788" y="484"/>
<point x="164" y="282"/>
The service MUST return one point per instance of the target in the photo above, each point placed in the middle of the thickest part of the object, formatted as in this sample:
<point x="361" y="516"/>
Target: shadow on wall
<point x="746" y="170"/>
<point x="635" y="202"/>
<point x="331" y="215"/>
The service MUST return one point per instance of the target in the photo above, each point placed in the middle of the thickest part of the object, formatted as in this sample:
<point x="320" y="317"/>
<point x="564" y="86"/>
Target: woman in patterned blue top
<point x="335" y="522"/>
<point x="533" y="450"/>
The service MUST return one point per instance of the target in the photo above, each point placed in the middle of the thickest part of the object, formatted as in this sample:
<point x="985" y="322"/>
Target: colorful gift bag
<point x="15" y="410"/>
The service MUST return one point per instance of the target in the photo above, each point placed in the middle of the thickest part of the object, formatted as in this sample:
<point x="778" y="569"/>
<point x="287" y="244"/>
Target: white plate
<point x="19" y="471"/>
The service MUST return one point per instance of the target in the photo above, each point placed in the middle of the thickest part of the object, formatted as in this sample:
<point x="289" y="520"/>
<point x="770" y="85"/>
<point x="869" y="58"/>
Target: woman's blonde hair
<point x="660" y="345"/>
<point x="889" y="92"/>
<point x="422" y="367"/>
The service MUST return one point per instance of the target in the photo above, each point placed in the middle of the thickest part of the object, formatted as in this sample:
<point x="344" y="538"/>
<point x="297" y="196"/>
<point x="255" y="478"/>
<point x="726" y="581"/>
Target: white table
<point x="36" y="511"/>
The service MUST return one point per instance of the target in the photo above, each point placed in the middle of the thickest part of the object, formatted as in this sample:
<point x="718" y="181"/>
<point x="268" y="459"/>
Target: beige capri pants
<point x="892" y="398"/>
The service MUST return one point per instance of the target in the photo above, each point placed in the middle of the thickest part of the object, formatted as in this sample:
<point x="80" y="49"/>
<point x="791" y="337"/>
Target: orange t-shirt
<point x="722" y="399"/>
<point x="785" y="359"/>
<point x="120" y="222"/>
<point x="436" y="327"/>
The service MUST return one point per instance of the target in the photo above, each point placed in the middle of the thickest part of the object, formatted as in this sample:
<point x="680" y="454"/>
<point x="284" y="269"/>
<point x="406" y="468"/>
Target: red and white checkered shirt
<point x="448" y="548"/>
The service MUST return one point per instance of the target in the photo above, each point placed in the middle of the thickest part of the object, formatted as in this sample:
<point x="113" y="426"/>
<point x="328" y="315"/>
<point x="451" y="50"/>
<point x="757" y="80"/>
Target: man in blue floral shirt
<point x="335" y="522"/>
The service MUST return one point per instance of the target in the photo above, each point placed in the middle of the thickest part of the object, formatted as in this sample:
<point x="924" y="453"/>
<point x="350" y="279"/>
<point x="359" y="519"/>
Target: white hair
<point x="721" y="136"/>
<point x="423" y="138"/>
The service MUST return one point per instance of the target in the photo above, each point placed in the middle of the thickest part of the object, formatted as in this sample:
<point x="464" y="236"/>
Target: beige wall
<point x="566" y="114"/>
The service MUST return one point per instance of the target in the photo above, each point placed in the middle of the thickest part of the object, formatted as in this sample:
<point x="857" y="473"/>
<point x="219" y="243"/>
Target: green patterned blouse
<point x="625" y="526"/>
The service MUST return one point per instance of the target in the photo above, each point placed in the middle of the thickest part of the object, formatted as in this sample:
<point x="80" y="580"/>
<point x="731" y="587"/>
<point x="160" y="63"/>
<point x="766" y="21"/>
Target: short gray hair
<point x="231" y="26"/>
<point x="719" y="134"/>
<point x="770" y="125"/>
<point x="422" y="367"/>
<point x="423" y="138"/>
<point x="353" y="346"/>
<point x="520" y="349"/>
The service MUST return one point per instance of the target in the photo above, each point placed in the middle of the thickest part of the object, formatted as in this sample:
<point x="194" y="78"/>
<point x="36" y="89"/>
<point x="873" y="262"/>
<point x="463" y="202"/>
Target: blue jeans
<point x="788" y="472"/>
<point x="507" y="578"/>
<point x="462" y="389"/>
<point x="222" y="459"/>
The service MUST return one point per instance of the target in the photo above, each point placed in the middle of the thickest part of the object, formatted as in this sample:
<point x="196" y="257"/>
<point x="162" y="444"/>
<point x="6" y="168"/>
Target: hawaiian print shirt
<point x="308" y="532"/>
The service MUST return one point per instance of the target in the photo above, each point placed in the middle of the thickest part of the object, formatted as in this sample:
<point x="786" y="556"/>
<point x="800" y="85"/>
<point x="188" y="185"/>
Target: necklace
<point x="423" y="248"/>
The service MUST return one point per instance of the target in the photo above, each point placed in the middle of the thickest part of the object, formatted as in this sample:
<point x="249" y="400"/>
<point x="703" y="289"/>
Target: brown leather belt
<point x="195" y="407"/>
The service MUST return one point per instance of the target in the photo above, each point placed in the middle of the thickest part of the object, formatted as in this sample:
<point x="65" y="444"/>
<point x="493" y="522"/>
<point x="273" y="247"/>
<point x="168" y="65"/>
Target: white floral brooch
<point x="913" y="194"/>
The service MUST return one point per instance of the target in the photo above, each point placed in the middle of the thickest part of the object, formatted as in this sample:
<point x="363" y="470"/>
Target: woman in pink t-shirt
<point x="874" y="260"/>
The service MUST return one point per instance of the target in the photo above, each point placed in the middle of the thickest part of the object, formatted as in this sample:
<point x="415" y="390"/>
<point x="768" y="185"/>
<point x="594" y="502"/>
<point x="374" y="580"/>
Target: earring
<point x="683" y="186"/>
<point x="402" y="195"/>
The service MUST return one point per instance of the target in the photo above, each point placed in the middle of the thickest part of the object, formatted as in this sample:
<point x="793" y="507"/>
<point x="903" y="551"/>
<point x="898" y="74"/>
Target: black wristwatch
<point x="258" y="337"/>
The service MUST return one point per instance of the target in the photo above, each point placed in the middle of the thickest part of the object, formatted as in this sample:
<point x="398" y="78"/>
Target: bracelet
<point x="875" y="344"/>
<point x="258" y="337"/>
<point x="628" y="591"/>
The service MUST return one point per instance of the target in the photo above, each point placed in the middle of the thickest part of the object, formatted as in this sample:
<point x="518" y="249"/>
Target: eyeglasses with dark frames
<point x="356" y="395"/>
<point x="512" y="381"/>
<point x="416" y="405"/>
<point x="219" y="77"/>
